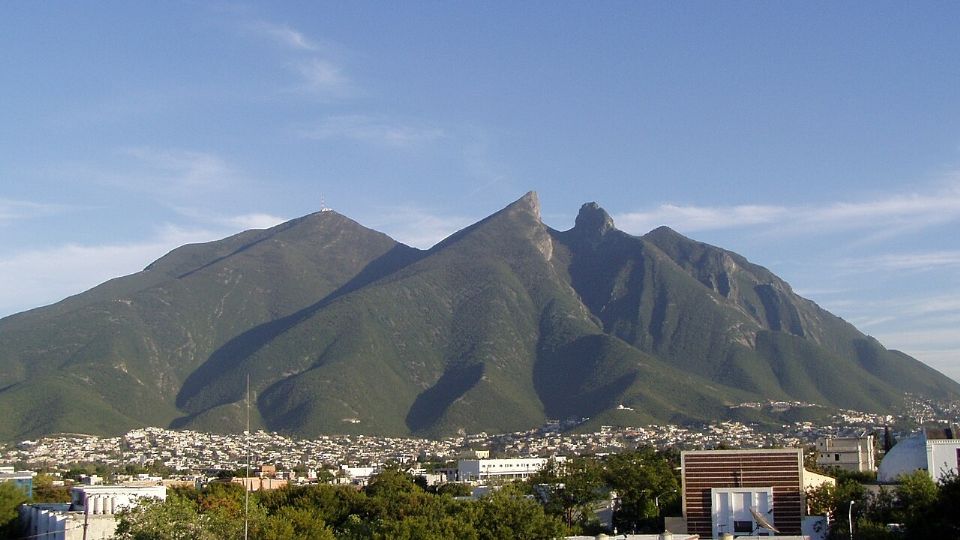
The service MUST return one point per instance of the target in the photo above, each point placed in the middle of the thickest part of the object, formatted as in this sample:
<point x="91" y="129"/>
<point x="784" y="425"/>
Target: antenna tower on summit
<point x="323" y="205"/>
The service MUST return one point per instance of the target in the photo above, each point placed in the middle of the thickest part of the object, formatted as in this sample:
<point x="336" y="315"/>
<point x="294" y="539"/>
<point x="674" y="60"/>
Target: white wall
<point x="942" y="457"/>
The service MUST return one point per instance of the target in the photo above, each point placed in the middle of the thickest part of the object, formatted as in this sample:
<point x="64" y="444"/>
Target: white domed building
<point x="936" y="451"/>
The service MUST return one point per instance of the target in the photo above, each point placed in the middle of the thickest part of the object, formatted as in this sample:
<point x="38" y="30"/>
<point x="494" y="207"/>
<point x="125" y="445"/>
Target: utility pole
<point x="850" y="518"/>
<point x="246" y="474"/>
<point x="86" y="514"/>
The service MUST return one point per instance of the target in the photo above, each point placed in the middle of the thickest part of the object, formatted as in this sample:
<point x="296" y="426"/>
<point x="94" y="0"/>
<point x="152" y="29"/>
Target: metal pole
<point x="246" y="474"/>
<point x="850" y="518"/>
<point x="86" y="513"/>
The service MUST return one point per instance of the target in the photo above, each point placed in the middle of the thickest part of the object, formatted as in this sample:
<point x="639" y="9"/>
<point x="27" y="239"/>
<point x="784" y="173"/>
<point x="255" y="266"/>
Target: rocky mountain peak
<point x="593" y="221"/>
<point x="529" y="203"/>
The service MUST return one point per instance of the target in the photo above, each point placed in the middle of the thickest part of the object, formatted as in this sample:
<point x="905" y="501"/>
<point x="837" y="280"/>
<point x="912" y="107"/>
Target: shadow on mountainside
<point x="234" y="352"/>
<point x="433" y="402"/>
<point x="568" y="379"/>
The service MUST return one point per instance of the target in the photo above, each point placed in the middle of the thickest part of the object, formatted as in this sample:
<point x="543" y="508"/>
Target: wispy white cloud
<point x="15" y="210"/>
<point x="253" y="221"/>
<point x="229" y="223"/>
<point x="936" y="346"/>
<point x="905" y="261"/>
<point x="284" y="35"/>
<point x="891" y="214"/>
<point x="324" y="79"/>
<point x="315" y="63"/>
<point x="905" y="308"/>
<point x="415" y="226"/>
<point x="925" y="338"/>
<point x="43" y="276"/>
<point x="700" y="218"/>
<point x="373" y="130"/>
<point x="166" y="174"/>
<point x="180" y="169"/>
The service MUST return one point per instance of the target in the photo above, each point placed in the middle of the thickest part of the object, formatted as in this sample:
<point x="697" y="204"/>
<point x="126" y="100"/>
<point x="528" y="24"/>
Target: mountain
<point x="497" y="328"/>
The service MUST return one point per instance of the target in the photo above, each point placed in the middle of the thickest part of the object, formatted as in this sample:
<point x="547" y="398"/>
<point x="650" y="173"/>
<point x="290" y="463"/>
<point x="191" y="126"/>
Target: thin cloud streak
<point x="52" y="274"/>
<point x="253" y="221"/>
<point x="417" y="227"/>
<point x="895" y="214"/>
<point x="938" y="347"/>
<point x="373" y="130"/>
<point x="166" y="174"/>
<point x="905" y="261"/>
<point x="945" y="302"/>
<point x="184" y="169"/>
<point x="15" y="210"/>
<point x="323" y="79"/>
<point x="48" y="275"/>
<point x="284" y="35"/>
<point x="319" y="76"/>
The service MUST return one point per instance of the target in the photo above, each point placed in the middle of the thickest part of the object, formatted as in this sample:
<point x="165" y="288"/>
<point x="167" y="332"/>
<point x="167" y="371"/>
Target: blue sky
<point x="821" y="140"/>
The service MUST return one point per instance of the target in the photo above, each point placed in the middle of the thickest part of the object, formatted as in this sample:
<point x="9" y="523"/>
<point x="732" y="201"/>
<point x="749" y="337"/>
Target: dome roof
<point x="907" y="456"/>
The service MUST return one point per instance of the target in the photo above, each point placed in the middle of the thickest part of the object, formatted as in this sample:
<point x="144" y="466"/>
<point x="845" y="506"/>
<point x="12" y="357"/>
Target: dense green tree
<point x="45" y="492"/>
<point x="569" y="489"/>
<point x="453" y="489"/>
<point x="293" y="522"/>
<point x="391" y="482"/>
<point x="507" y="514"/>
<point x="834" y="501"/>
<point x="176" y="518"/>
<point x="646" y="487"/>
<point x="11" y="497"/>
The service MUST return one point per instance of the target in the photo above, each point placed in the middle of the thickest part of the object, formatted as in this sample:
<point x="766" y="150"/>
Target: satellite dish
<point x="762" y="521"/>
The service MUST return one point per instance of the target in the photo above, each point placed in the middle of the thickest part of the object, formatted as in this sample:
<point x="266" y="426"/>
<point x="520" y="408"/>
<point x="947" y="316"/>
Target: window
<point x="742" y="526"/>
<point x="836" y="457"/>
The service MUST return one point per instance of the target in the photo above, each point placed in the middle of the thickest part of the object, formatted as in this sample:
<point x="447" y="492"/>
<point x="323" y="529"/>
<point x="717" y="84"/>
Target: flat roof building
<point x="847" y="453"/>
<point x="89" y="515"/>
<point x="482" y="470"/>
<point x="21" y="479"/>
<point x="744" y="492"/>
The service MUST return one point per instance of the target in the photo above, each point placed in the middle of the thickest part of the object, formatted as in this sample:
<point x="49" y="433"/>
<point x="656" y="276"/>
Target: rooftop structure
<point x="847" y="453"/>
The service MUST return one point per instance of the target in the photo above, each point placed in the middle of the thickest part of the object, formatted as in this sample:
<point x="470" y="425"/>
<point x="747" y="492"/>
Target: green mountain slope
<point x="129" y="345"/>
<point x="500" y="327"/>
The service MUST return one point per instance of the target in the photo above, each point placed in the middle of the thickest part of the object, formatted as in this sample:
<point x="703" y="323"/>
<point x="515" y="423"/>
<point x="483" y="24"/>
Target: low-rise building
<point x="847" y="453"/>
<point x="483" y="470"/>
<point x="89" y="515"/>
<point x="21" y="479"/>
<point x="744" y="492"/>
<point x="260" y="483"/>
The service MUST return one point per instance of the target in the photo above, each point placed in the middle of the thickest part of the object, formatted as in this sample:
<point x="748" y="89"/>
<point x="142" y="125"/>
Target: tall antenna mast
<point x="246" y="474"/>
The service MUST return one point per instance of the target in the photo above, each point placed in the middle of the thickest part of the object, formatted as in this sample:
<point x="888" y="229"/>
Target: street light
<point x="656" y="500"/>
<point x="850" y="518"/>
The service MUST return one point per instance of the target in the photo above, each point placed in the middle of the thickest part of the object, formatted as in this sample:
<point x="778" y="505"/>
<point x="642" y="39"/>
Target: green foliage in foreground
<point x="558" y="501"/>
<point x="11" y="496"/>
<point x="921" y="507"/>
<point x="392" y="507"/>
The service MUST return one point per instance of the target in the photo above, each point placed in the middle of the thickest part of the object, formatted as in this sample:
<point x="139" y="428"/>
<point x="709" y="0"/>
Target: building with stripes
<point x="743" y="492"/>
